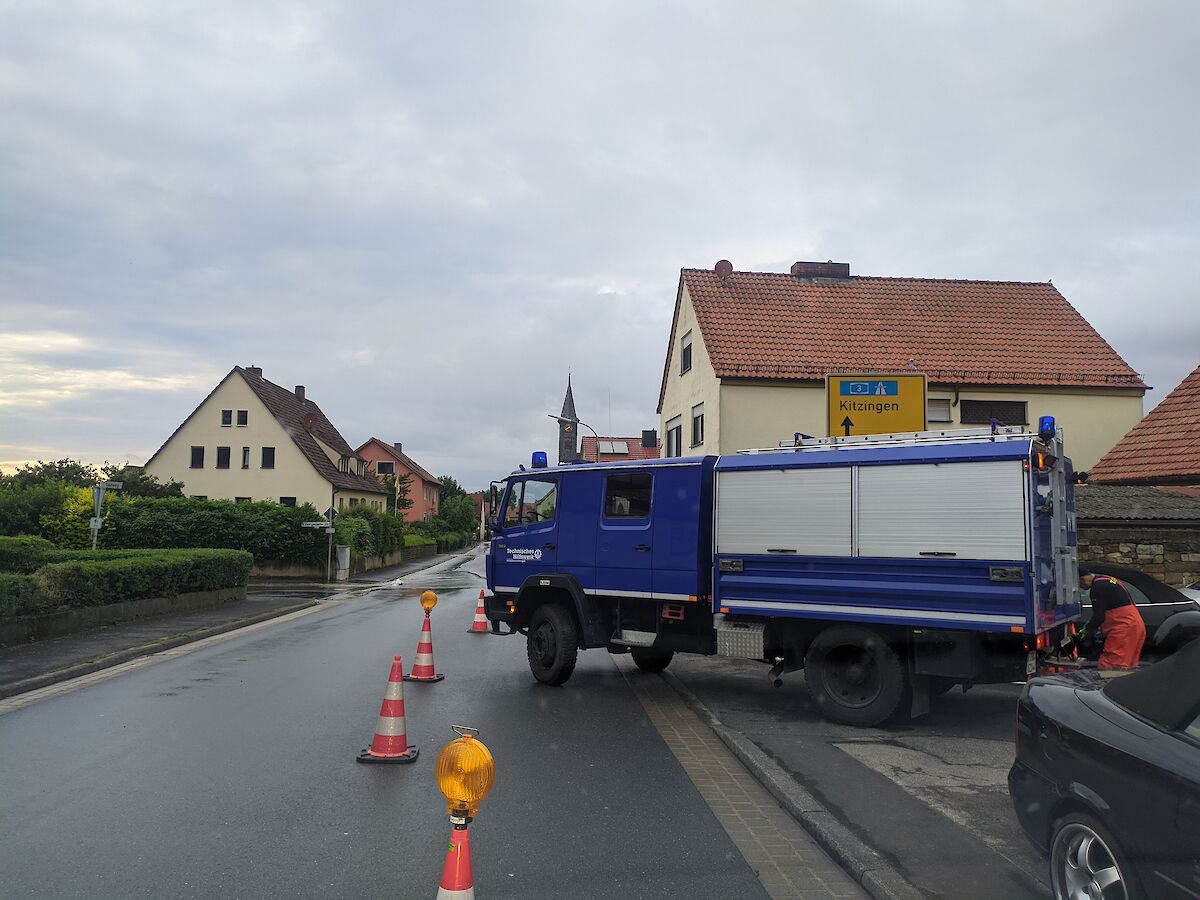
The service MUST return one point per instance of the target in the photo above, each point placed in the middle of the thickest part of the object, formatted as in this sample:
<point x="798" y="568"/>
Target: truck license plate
<point x="1031" y="663"/>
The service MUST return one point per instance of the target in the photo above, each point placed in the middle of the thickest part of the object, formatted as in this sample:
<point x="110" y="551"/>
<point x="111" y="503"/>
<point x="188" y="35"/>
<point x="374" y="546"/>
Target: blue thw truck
<point x="889" y="567"/>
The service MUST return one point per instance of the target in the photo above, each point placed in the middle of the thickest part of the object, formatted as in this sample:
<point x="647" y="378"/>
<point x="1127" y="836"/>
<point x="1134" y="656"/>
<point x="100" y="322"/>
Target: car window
<point x="627" y="496"/>
<point x="512" y="509"/>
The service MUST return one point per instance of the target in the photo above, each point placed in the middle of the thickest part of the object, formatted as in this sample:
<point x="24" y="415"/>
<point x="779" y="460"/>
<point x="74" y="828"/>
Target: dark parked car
<point x="1157" y="602"/>
<point x="1107" y="779"/>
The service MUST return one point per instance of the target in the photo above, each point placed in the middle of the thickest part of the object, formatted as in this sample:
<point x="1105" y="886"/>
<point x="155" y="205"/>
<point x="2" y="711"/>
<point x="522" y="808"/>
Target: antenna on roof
<point x="723" y="269"/>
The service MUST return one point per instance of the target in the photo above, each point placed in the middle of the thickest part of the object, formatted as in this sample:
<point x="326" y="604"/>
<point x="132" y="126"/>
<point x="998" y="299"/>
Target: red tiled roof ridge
<point x="402" y="457"/>
<point x="918" y="278"/>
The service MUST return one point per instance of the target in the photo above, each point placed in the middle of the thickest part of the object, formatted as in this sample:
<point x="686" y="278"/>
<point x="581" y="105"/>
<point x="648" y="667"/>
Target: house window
<point x="344" y="464"/>
<point x="627" y="496"/>
<point x="697" y="424"/>
<point x="243" y="418"/>
<point x="287" y="501"/>
<point x="341" y="502"/>
<point x="241" y="499"/>
<point x="245" y="457"/>
<point x="268" y="457"/>
<point x="981" y="412"/>
<point x="685" y="354"/>
<point x="353" y="502"/>
<point x="938" y="411"/>
<point x="222" y="457"/>
<point x="675" y="437"/>
<point x="227" y="418"/>
<point x="197" y="457"/>
<point x="385" y="468"/>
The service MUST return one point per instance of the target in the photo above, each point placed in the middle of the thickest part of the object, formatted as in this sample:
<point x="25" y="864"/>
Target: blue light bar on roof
<point x="1046" y="429"/>
<point x="539" y="459"/>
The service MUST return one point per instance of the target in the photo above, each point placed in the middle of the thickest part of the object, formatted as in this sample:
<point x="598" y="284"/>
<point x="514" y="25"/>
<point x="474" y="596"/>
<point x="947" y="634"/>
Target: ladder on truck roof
<point x="901" y="439"/>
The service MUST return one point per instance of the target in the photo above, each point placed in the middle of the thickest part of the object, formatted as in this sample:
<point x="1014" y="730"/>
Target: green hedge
<point x="418" y="540"/>
<point x="18" y="552"/>
<point x="268" y="531"/>
<point x="18" y="594"/>
<point x="93" y="582"/>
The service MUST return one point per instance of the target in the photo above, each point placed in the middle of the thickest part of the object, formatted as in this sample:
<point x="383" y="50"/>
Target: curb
<point x="352" y="590"/>
<point x="878" y="877"/>
<point x="25" y="685"/>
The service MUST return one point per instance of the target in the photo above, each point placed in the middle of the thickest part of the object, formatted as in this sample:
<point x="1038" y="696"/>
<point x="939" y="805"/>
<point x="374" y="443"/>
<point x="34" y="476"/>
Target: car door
<point x="623" y="543"/>
<point x="528" y="540"/>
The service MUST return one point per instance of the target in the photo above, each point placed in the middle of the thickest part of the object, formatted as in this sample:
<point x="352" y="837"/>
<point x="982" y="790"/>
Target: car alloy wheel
<point x="1083" y="867"/>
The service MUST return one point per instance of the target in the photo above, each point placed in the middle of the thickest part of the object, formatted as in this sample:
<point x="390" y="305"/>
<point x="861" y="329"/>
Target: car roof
<point x="1167" y="693"/>
<point x="1147" y="583"/>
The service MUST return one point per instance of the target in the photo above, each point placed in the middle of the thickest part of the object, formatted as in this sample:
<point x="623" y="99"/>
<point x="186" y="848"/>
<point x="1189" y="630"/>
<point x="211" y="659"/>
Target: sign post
<point x="97" y="520"/>
<point x="327" y="527"/>
<point x="875" y="403"/>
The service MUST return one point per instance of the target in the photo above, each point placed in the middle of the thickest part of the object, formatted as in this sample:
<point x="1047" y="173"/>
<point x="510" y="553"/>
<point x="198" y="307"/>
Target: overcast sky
<point x="428" y="213"/>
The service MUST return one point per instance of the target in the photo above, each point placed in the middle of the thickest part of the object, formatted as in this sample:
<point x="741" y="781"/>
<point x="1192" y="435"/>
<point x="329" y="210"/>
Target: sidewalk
<point x="26" y="667"/>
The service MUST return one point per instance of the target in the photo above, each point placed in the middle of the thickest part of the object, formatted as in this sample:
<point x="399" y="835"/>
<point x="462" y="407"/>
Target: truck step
<point x="635" y="638"/>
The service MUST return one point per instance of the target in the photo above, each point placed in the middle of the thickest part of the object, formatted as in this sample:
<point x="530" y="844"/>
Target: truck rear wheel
<point x="854" y="676"/>
<point x="651" y="660"/>
<point x="552" y="644"/>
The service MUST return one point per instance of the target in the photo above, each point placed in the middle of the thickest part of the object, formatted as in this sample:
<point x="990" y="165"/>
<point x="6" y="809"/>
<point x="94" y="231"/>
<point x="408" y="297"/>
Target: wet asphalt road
<point x="230" y="772"/>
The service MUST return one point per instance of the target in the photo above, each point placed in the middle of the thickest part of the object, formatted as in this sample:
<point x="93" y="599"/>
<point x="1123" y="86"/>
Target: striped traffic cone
<point x="457" y="881"/>
<point x="391" y="743"/>
<point x="480" y="625"/>
<point x="422" y="669"/>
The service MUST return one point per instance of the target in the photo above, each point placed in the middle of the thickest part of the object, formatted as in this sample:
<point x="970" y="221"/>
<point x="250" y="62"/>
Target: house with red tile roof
<point x="385" y="459"/>
<point x="598" y="448"/>
<point x="1163" y="448"/>
<point x="252" y="439"/>
<point x="749" y="353"/>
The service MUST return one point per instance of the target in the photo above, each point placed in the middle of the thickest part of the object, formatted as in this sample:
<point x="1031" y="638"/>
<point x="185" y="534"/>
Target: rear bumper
<point x="1033" y="797"/>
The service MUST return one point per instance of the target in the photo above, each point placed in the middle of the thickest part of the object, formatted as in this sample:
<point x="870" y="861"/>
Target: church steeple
<point x="567" y="431"/>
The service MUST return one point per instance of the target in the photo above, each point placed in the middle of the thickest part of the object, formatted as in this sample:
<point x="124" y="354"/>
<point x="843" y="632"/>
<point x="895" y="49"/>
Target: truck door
<point x="623" y="544"/>
<point x="528" y="540"/>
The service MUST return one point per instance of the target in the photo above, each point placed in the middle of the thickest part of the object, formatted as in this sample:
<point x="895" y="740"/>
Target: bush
<point x="356" y="533"/>
<point x="270" y="532"/>
<point x="23" y="506"/>
<point x="67" y="526"/>
<point x="18" y="594"/>
<point x="17" y="552"/>
<point x="418" y="540"/>
<point x="93" y="582"/>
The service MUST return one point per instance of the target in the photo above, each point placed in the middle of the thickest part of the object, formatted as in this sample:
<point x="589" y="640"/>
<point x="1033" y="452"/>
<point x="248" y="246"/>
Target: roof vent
<point x="723" y="268"/>
<point x="254" y="370"/>
<point x="830" y="269"/>
<point x="399" y="447"/>
<point x="300" y="392"/>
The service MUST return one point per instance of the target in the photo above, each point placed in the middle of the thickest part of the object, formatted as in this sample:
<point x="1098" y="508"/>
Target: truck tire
<point x="651" y="660"/>
<point x="552" y="644"/>
<point x="854" y="676"/>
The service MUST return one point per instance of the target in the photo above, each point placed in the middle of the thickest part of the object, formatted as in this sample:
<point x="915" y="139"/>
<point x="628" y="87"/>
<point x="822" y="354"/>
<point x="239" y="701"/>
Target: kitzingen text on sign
<point x="879" y="403"/>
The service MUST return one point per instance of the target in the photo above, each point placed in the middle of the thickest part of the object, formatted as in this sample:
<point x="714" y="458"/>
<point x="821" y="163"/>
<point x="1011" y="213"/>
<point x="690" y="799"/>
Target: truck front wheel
<point x="854" y="676"/>
<point x="651" y="660"/>
<point x="552" y="644"/>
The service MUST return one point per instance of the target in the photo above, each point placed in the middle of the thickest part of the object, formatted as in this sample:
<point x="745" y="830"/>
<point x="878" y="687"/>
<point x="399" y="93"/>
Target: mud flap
<point x="920" y="695"/>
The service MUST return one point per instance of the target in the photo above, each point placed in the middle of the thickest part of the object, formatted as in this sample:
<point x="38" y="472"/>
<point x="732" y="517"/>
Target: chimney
<point x="399" y="446"/>
<point x="809" y="271"/>
<point x="300" y="392"/>
<point x="254" y="370"/>
<point x="650" y="439"/>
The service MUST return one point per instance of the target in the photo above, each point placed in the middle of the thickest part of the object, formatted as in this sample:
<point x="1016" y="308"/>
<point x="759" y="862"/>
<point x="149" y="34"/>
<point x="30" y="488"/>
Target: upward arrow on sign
<point x="847" y="424"/>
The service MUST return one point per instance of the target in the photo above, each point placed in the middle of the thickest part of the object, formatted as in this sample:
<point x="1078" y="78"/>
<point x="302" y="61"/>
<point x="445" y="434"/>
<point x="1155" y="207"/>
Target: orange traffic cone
<point x="457" y="881"/>
<point x="422" y="669"/>
<point x="391" y="743"/>
<point x="480" y="625"/>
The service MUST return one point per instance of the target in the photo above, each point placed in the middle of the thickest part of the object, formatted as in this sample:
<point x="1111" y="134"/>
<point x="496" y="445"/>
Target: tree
<point x="458" y="514"/>
<point x="448" y="487"/>
<point x="136" y="482"/>
<point x="65" y="471"/>
<point x="403" y="492"/>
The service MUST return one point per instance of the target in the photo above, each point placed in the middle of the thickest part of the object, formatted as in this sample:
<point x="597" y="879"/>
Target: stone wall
<point x="1169" y="554"/>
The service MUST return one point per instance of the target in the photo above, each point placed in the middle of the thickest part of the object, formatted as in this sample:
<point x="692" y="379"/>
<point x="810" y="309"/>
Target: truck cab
<point x="601" y="550"/>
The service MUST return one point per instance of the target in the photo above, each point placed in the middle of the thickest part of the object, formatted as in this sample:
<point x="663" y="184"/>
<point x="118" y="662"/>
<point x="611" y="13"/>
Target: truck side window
<point x="627" y="496"/>
<point x="541" y="501"/>
<point x="512" y="511"/>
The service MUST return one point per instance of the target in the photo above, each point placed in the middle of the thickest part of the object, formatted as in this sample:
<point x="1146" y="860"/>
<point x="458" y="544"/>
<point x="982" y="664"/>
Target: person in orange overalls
<point x="1114" y="612"/>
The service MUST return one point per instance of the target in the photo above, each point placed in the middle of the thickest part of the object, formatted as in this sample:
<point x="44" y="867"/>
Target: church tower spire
<point x="567" y="430"/>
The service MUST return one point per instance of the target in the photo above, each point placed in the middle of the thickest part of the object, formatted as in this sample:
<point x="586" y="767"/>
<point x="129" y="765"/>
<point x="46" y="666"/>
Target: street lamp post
<point x="585" y="425"/>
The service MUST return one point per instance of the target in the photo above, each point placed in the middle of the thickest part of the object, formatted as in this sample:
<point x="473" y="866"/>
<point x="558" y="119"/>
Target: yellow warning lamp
<point x="428" y="601"/>
<point x="465" y="772"/>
